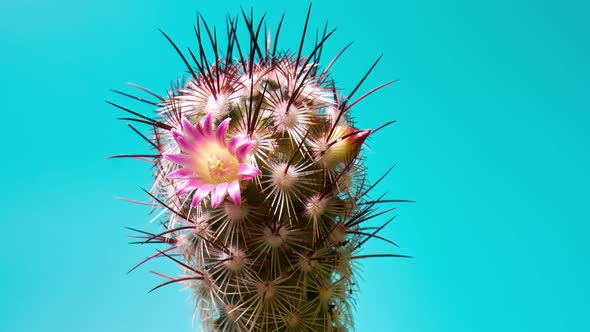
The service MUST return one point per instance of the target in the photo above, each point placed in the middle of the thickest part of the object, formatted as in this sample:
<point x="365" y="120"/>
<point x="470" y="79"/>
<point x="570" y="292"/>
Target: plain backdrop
<point x="491" y="141"/>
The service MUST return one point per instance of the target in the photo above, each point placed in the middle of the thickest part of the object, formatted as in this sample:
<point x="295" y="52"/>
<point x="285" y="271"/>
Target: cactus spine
<point x="260" y="185"/>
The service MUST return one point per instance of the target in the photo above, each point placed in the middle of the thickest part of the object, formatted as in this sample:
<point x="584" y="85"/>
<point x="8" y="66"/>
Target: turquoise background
<point x="492" y="142"/>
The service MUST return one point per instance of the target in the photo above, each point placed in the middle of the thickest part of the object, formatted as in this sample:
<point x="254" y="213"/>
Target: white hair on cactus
<point x="259" y="183"/>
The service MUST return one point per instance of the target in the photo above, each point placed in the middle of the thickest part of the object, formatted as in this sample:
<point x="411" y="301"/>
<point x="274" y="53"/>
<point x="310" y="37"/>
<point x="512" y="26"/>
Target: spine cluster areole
<point x="259" y="183"/>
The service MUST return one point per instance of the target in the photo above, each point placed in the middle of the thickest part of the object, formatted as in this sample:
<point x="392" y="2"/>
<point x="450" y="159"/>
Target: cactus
<point x="259" y="184"/>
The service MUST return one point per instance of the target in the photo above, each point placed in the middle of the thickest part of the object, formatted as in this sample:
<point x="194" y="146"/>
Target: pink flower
<point x="209" y="163"/>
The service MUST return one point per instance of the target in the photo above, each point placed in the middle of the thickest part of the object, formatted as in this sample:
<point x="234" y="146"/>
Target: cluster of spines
<point x="281" y="257"/>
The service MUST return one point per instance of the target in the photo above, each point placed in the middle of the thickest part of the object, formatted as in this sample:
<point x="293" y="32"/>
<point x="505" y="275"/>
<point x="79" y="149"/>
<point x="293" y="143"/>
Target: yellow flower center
<point x="215" y="164"/>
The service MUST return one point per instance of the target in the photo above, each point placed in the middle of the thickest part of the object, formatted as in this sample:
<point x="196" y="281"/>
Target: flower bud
<point x="341" y="146"/>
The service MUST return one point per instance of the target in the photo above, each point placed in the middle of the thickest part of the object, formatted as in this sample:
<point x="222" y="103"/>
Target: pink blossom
<point x="209" y="163"/>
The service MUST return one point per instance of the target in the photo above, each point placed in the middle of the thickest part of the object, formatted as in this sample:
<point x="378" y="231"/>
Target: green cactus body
<point x="261" y="187"/>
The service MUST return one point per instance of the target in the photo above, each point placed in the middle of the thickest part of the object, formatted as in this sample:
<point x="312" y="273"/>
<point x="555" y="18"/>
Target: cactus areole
<point x="259" y="182"/>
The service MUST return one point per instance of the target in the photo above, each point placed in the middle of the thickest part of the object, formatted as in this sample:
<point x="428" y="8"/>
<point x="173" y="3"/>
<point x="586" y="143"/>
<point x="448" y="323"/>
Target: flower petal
<point x="234" y="192"/>
<point x="181" y="159"/>
<point x="208" y="125"/>
<point x="203" y="191"/>
<point x="218" y="194"/>
<point x="189" y="185"/>
<point x="248" y="171"/>
<point x="186" y="124"/>
<point x="182" y="173"/>
<point x="233" y="143"/>
<point x="182" y="141"/>
<point x="190" y="129"/>
<point x="222" y="130"/>
<point x="243" y="150"/>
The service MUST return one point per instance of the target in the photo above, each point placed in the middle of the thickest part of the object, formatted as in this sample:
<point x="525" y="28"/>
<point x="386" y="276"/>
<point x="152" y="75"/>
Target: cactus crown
<point x="260" y="185"/>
